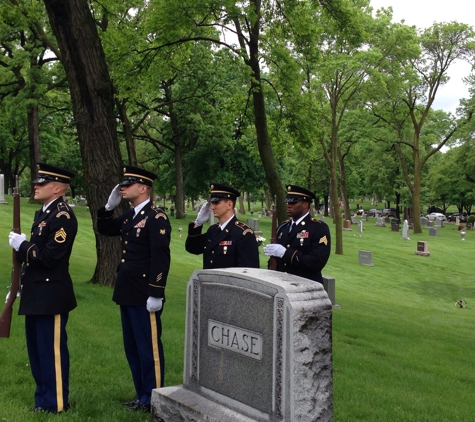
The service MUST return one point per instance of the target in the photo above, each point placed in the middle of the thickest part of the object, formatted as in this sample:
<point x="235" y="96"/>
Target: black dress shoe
<point x="130" y="404"/>
<point x="139" y="407"/>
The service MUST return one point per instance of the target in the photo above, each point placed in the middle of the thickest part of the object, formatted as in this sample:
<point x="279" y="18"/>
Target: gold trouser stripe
<point x="57" y="362"/>
<point x="156" y="355"/>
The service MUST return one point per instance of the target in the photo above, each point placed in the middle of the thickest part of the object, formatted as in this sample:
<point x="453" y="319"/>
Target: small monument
<point x="347" y="225"/>
<point x="253" y="223"/>
<point x="422" y="248"/>
<point x="365" y="258"/>
<point x="258" y="347"/>
<point x="405" y="230"/>
<point x="439" y="222"/>
<point x="360" y="227"/>
<point x="395" y="226"/>
<point x="2" y="189"/>
<point x="380" y="222"/>
<point x="353" y="219"/>
<point x="433" y="232"/>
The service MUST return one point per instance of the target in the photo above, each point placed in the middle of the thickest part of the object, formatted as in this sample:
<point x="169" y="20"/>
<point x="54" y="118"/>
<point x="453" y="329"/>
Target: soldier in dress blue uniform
<point x="303" y="243"/>
<point x="142" y="274"/>
<point x="47" y="293"/>
<point x="229" y="243"/>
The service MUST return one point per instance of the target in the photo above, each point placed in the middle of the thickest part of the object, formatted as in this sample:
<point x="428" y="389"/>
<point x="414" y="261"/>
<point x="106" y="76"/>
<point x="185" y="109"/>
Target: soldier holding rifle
<point x="47" y="294"/>
<point x="302" y="243"/>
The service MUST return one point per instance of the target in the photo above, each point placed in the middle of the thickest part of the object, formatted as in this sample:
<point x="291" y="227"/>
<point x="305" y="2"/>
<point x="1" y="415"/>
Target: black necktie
<point x="292" y="226"/>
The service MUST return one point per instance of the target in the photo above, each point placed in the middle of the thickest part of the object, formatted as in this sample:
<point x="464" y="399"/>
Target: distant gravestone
<point x="365" y="258"/>
<point x="429" y="223"/>
<point x="395" y="227"/>
<point x="424" y="221"/>
<point x="439" y="222"/>
<point x="353" y="220"/>
<point x="433" y="232"/>
<point x="380" y="222"/>
<point x="457" y="221"/>
<point x="365" y="217"/>
<point x="270" y="363"/>
<point x="405" y="230"/>
<point x="347" y="225"/>
<point x="360" y="226"/>
<point x="253" y="223"/>
<point x="2" y="189"/>
<point x="422" y="248"/>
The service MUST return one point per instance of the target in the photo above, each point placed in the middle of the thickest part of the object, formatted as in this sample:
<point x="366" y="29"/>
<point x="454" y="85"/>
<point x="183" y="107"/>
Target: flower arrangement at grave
<point x="459" y="228"/>
<point x="260" y="240"/>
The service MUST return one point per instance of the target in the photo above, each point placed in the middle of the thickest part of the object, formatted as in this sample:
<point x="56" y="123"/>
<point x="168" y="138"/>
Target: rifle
<point x="6" y="317"/>
<point x="273" y="236"/>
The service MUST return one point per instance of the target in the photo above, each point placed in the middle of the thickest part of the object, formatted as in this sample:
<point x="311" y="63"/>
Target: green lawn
<point x="402" y="351"/>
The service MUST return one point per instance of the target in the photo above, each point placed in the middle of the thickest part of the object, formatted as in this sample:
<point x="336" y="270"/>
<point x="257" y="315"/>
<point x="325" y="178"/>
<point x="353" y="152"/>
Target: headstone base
<point x="178" y="404"/>
<point x="423" y="253"/>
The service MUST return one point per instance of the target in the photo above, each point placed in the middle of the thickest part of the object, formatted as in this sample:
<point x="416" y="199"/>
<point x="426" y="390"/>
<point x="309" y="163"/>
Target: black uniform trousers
<point x="143" y="347"/>
<point x="47" y="345"/>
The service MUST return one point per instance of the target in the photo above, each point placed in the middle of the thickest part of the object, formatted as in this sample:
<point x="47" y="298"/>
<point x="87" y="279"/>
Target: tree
<point x="413" y="84"/>
<point x="93" y="105"/>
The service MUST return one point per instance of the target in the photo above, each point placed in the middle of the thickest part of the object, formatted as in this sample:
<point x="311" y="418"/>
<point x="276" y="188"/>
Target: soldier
<point x="303" y="243"/>
<point x="229" y="243"/>
<point x="47" y="294"/>
<point x="141" y="278"/>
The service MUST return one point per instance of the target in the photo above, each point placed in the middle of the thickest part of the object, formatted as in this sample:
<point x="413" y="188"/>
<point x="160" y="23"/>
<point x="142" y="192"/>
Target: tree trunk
<point x="344" y="195"/>
<point x="260" y="118"/>
<point x="128" y="135"/>
<point x="179" y="184"/>
<point x="334" y="188"/>
<point x="93" y="107"/>
<point x="33" y="144"/>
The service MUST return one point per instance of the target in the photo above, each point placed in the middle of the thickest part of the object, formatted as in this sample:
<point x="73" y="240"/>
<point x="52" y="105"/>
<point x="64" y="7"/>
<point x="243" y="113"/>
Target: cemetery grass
<point x="401" y="350"/>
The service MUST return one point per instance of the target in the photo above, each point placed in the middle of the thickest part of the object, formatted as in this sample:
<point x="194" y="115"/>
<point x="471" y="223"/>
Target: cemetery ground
<point x="402" y="350"/>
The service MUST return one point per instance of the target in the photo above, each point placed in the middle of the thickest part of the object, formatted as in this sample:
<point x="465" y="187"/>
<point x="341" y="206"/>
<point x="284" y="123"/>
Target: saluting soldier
<point x="228" y="243"/>
<point x="141" y="278"/>
<point x="47" y="294"/>
<point x="303" y="243"/>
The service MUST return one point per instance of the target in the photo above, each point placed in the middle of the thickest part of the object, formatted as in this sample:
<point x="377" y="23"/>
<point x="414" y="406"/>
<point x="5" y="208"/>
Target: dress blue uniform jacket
<point x="307" y="248"/>
<point x="47" y="288"/>
<point x="235" y="246"/>
<point x="145" y="262"/>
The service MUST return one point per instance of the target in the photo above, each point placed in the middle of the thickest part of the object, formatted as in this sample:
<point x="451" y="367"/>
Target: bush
<point x="471" y="219"/>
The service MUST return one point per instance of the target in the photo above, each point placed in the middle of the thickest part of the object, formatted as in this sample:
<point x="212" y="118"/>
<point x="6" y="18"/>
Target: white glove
<point x="114" y="198"/>
<point x="154" y="304"/>
<point x="15" y="240"/>
<point x="274" y="249"/>
<point x="203" y="215"/>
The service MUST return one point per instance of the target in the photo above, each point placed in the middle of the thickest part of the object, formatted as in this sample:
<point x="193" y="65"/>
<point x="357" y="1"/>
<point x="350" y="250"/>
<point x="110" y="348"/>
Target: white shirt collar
<point x="139" y="207"/>
<point x="223" y="226"/>
<point x="300" y="219"/>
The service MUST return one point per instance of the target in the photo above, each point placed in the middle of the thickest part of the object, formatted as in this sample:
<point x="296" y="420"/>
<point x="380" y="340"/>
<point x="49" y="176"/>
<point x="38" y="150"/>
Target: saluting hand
<point x="114" y="198"/>
<point x="203" y="215"/>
